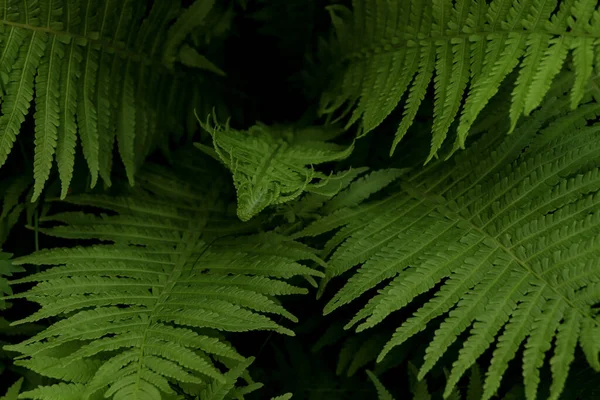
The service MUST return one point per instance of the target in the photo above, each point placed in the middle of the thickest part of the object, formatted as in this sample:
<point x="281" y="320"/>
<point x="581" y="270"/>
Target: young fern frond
<point x="140" y="313"/>
<point x="393" y="48"/>
<point x="95" y="70"/>
<point x="509" y="231"/>
<point x="274" y="164"/>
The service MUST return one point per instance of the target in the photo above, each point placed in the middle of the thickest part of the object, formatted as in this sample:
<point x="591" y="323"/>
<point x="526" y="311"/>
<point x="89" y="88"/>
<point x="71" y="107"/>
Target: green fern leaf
<point x="470" y="44"/>
<point x="19" y="87"/>
<point x="87" y="109"/>
<point x="417" y="92"/>
<point x="95" y="72"/>
<point x="583" y="47"/>
<point x="130" y="312"/>
<point x="508" y="233"/>
<point x="61" y="391"/>
<point x="269" y="163"/>
<point x="67" y="127"/>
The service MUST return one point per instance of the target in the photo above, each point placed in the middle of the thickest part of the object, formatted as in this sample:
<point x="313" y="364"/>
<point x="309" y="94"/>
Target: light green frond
<point x="47" y="112"/>
<point x="505" y="234"/>
<point x="583" y="47"/>
<point x="90" y="68"/>
<point x="589" y="343"/>
<point x="269" y="164"/>
<point x="564" y="351"/>
<point x="129" y="313"/>
<point x="417" y="92"/>
<point x="514" y="333"/>
<point x="19" y="91"/>
<point x="547" y="70"/>
<point x="67" y="126"/>
<point x="87" y="109"/>
<point x="79" y="371"/>
<point x="60" y="391"/>
<point x="471" y="45"/>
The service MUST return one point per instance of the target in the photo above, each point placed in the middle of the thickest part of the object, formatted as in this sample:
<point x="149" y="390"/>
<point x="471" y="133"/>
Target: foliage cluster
<point x="300" y="199"/>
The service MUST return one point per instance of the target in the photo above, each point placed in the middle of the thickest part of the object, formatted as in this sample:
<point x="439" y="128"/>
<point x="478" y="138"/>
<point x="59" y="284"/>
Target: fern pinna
<point x="509" y="229"/>
<point x="99" y="71"/>
<point x="141" y="313"/>
<point x="387" y="46"/>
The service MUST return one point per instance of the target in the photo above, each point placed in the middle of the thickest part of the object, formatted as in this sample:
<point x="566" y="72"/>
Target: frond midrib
<point x="388" y="46"/>
<point x="162" y="299"/>
<point x="515" y="258"/>
<point x="109" y="46"/>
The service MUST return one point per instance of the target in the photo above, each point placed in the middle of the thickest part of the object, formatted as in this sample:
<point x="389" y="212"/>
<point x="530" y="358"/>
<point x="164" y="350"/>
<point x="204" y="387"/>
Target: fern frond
<point x="90" y="67"/>
<point x="139" y="313"/>
<point x="269" y="164"/>
<point x="471" y="45"/>
<point x="508" y="230"/>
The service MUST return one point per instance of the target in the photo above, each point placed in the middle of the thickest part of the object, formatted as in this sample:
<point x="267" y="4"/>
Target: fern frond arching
<point x="509" y="229"/>
<point x="90" y="69"/>
<point x="269" y="164"/>
<point x="390" y="48"/>
<point x="142" y="311"/>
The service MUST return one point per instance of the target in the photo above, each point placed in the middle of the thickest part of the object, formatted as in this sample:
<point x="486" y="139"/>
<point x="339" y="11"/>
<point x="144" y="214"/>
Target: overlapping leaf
<point x="92" y="71"/>
<point x="507" y="232"/>
<point x="142" y="312"/>
<point x="394" y="48"/>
